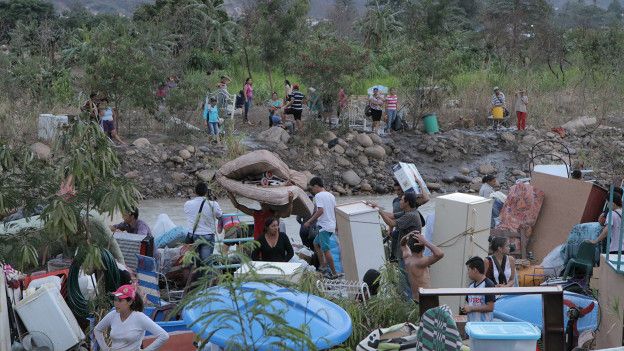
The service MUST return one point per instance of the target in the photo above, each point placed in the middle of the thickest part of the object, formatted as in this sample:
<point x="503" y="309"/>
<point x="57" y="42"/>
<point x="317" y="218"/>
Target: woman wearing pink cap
<point x="128" y="324"/>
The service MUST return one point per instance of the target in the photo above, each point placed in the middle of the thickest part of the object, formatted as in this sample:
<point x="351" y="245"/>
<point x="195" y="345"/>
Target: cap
<point x="496" y="88"/>
<point x="125" y="292"/>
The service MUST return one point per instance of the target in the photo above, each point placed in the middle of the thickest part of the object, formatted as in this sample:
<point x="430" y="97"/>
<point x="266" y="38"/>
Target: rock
<point x="191" y="149"/>
<point x="364" y="140"/>
<point x="282" y="146"/>
<point x="329" y="135"/>
<point x="430" y="149"/>
<point x="343" y="143"/>
<point x="550" y="135"/>
<point x="131" y="152"/>
<point x="477" y="180"/>
<point x="579" y="123"/>
<point x="343" y="162"/>
<point x="368" y="171"/>
<point x="318" y="166"/>
<point x="205" y="149"/>
<point x="338" y="149"/>
<point x="316" y="151"/>
<point x="178" y="177"/>
<point x="508" y="137"/>
<point x="132" y="174"/>
<point x="164" y="157"/>
<point x="422" y="147"/>
<point x="206" y="175"/>
<point x="529" y="140"/>
<point x="366" y="187"/>
<point x="487" y="169"/>
<point x="317" y="142"/>
<point x="157" y="180"/>
<point x="177" y="159"/>
<point x="376" y="151"/>
<point x="376" y="139"/>
<point x="518" y="173"/>
<point x="42" y="151"/>
<point x="274" y="135"/>
<point x="434" y="186"/>
<point x="475" y="187"/>
<point x="448" y="180"/>
<point x="380" y="189"/>
<point x="339" y="189"/>
<point x="464" y="170"/>
<point x="349" y="137"/>
<point x="141" y="142"/>
<point x="351" y="152"/>
<point x="462" y="179"/>
<point x="351" y="178"/>
<point x="185" y="154"/>
<point x="363" y="160"/>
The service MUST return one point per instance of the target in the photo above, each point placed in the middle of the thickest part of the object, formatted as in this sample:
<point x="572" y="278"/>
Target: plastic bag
<point x="163" y="225"/>
<point x="554" y="259"/>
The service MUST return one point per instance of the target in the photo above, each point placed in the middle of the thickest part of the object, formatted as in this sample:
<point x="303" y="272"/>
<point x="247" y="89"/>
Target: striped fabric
<point x="437" y="331"/>
<point x="148" y="279"/>
<point x="391" y="102"/>
<point x="498" y="100"/>
<point x="297" y="100"/>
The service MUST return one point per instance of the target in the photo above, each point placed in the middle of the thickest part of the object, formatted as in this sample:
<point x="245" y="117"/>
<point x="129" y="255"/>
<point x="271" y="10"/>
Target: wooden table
<point x="553" y="333"/>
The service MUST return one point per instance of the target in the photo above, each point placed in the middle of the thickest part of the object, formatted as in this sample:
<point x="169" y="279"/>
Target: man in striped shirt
<point x="295" y="106"/>
<point x="392" y="104"/>
<point x="499" y="98"/>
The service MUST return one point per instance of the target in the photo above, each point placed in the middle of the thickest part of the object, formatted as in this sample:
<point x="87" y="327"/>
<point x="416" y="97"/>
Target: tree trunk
<point x="247" y="61"/>
<point x="270" y="73"/>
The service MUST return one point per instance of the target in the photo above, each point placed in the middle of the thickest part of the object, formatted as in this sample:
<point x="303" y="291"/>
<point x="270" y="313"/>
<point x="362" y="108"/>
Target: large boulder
<point x="206" y="175"/>
<point x="275" y="135"/>
<point x="579" y="124"/>
<point x="351" y="178"/>
<point x="141" y="142"/>
<point x="364" y="140"/>
<point x="487" y="169"/>
<point x="376" y="139"/>
<point x="375" y="151"/>
<point x="42" y="151"/>
<point x="185" y="154"/>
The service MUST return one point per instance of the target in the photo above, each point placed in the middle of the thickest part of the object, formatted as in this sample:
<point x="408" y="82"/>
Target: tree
<point x="14" y="11"/>
<point x="342" y="17"/>
<point x="267" y="22"/>
<point x="380" y="23"/>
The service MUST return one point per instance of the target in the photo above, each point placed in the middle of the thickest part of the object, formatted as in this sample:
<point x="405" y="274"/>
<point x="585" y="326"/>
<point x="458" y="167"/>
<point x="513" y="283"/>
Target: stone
<point x="343" y="162"/>
<point x="380" y="189"/>
<point x="205" y="175"/>
<point x="282" y="146"/>
<point x="448" y="179"/>
<point x="141" y="142"/>
<point x="329" y="135"/>
<point x="157" y="180"/>
<point x="366" y="187"/>
<point x="191" y="149"/>
<point x="464" y="170"/>
<point x="434" y="186"/>
<point x="351" y="152"/>
<point x="508" y="137"/>
<point x="518" y="173"/>
<point x="349" y="137"/>
<point x="342" y="143"/>
<point x="477" y="180"/>
<point x="177" y="159"/>
<point x="376" y="139"/>
<point x="462" y="179"/>
<point x="550" y="135"/>
<point x="376" y="152"/>
<point x="351" y="178"/>
<point x="475" y="186"/>
<point x="41" y="151"/>
<point x="132" y="174"/>
<point x="422" y="147"/>
<point x="178" y="177"/>
<point x="131" y="152"/>
<point x="364" y="140"/>
<point x="368" y="171"/>
<point x="339" y="189"/>
<point x="578" y="124"/>
<point x="529" y="140"/>
<point x="318" y="166"/>
<point x="316" y="151"/>
<point x="204" y="148"/>
<point x="430" y="149"/>
<point x="317" y="142"/>
<point x="185" y="154"/>
<point x="338" y="149"/>
<point x="274" y="135"/>
<point x="164" y="157"/>
<point x="487" y="169"/>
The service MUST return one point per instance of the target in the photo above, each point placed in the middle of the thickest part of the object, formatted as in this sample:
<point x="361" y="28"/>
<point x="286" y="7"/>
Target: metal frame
<point x="343" y="288"/>
<point x="534" y="156"/>
<point x="553" y="334"/>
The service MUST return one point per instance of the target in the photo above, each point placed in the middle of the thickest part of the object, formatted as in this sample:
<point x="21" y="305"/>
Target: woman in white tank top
<point x="501" y="267"/>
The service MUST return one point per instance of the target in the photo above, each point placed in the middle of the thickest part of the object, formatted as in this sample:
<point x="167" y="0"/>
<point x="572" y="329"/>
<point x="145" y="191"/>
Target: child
<point x="211" y="115"/>
<point x="479" y="308"/>
<point x="392" y="104"/>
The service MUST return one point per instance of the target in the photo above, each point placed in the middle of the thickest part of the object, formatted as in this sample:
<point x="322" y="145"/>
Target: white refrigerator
<point x="461" y="230"/>
<point x="361" y="245"/>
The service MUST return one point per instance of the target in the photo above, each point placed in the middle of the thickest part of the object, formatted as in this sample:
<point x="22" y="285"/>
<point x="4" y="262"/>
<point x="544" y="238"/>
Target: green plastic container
<point x="431" y="123"/>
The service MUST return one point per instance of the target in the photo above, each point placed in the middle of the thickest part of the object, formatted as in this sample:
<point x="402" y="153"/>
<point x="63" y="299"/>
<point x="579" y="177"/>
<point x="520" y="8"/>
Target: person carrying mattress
<point x="265" y="212"/>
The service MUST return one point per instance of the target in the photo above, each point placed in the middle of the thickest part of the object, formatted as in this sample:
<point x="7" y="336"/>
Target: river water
<point x="174" y="208"/>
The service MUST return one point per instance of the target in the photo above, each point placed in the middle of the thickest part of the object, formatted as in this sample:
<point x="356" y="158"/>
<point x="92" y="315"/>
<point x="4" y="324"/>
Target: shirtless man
<point x="417" y="265"/>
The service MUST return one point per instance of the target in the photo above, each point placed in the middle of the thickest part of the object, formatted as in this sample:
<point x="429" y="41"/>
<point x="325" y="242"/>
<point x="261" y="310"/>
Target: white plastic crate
<point x="499" y="336"/>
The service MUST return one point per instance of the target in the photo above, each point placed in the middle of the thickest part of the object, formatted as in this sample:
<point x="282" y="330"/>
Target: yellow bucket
<point x="498" y="112"/>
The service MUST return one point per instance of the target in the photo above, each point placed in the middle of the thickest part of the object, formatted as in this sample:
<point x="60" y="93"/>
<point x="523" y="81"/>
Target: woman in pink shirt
<point x="248" y="93"/>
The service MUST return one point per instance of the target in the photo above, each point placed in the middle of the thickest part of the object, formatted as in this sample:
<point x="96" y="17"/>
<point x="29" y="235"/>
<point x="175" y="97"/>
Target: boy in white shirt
<point x="325" y="216"/>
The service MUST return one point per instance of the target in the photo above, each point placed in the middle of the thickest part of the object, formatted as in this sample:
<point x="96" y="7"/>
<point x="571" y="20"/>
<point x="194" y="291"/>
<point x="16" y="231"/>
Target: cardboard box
<point x="406" y="174"/>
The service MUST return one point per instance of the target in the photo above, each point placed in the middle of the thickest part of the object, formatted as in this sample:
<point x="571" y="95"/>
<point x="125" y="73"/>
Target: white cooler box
<point x="45" y="311"/>
<point x="502" y="336"/>
<point x="274" y="270"/>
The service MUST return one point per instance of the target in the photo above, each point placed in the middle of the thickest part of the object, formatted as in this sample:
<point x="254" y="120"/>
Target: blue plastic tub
<point x="328" y="324"/>
<point x="499" y="336"/>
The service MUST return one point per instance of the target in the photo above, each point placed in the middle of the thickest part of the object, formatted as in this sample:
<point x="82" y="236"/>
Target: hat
<point x="295" y="86"/>
<point x="125" y="292"/>
<point x="496" y="88"/>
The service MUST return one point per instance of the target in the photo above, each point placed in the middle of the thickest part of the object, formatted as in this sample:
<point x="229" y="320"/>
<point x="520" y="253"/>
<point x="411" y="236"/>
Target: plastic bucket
<point x="431" y="123"/>
<point x="498" y="112"/>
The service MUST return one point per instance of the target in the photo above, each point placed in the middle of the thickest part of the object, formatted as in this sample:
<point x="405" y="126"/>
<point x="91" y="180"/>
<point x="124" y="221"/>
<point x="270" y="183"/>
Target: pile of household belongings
<point x="263" y="176"/>
<point x="518" y="215"/>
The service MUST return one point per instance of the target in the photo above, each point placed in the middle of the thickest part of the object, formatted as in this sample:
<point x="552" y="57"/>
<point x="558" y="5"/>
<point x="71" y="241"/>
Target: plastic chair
<point x="584" y="259"/>
<point x="148" y="276"/>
